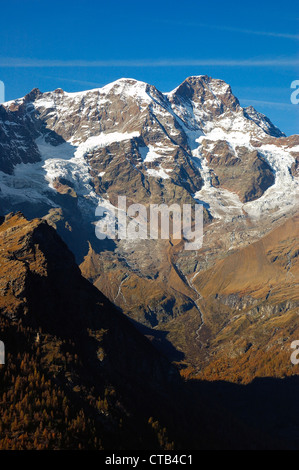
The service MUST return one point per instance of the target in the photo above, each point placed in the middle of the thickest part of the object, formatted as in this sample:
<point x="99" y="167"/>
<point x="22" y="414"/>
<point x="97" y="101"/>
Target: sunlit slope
<point x="268" y="268"/>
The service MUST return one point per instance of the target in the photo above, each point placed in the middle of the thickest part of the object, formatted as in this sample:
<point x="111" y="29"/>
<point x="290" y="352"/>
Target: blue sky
<point x="79" y="44"/>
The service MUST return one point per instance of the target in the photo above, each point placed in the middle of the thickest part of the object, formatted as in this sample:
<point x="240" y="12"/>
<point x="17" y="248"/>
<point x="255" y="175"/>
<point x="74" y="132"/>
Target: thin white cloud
<point x="272" y="104"/>
<point x="275" y="34"/>
<point x="42" y="63"/>
<point x="253" y="32"/>
<point x="69" y="80"/>
<point x="263" y="33"/>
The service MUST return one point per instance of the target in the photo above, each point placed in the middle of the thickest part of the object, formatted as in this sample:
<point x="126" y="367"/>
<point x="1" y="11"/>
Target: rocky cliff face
<point x="42" y="286"/>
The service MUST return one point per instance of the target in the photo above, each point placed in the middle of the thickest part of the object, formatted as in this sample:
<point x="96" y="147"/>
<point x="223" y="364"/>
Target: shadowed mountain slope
<point x="78" y="374"/>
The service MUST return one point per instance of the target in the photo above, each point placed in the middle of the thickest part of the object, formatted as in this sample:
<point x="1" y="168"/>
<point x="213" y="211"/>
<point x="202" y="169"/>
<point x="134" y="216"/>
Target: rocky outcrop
<point x="41" y="286"/>
<point x="238" y="169"/>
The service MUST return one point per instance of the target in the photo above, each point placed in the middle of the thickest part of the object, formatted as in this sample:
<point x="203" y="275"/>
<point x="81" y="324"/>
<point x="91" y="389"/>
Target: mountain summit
<point x="189" y="141"/>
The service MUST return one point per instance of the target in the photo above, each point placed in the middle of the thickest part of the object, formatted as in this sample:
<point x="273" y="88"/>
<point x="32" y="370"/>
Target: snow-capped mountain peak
<point x="196" y="142"/>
